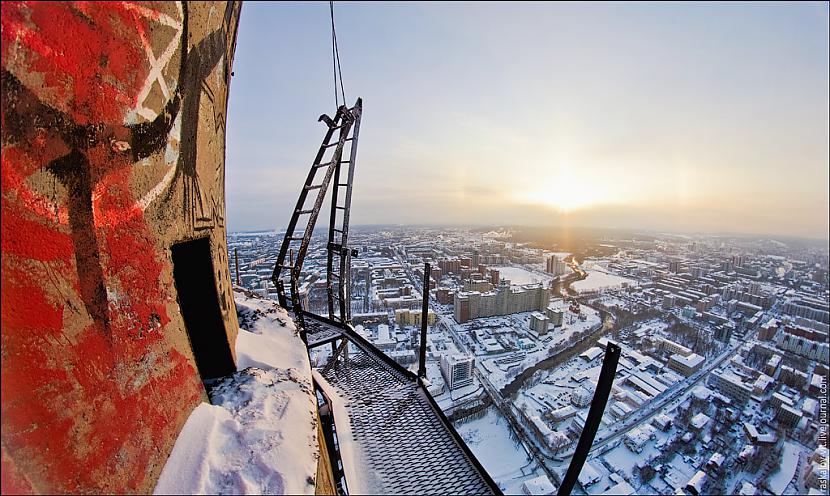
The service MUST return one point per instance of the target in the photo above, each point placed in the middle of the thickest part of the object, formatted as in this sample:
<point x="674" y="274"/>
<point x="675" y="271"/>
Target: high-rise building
<point x="539" y="323"/>
<point x="457" y="370"/>
<point x="504" y="300"/>
<point x="444" y="295"/>
<point x="554" y="265"/>
<point x="555" y="316"/>
<point x="723" y="332"/>
<point x="450" y="266"/>
<point x="808" y="343"/>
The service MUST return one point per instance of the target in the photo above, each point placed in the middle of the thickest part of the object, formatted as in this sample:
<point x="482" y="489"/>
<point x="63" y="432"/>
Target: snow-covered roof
<point x="698" y="480"/>
<point x="640" y="435"/>
<point x="700" y="420"/>
<point x="747" y="451"/>
<point x="588" y="475"/>
<point x="691" y="361"/>
<point x="747" y="489"/>
<point x="622" y="488"/>
<point x="702" y="392"/>
<point x="538" y="486"/>
<point x="662" y="420"/>
<point x="592" y="353"/>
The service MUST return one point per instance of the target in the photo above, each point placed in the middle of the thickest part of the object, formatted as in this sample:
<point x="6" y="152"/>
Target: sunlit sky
<point x="684" y="117"/>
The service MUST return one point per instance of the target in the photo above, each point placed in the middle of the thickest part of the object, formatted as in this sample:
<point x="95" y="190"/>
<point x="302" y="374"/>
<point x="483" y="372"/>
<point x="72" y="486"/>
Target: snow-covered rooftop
<point x="538" y="486"/>
<point x="700" y="420"/>
<point x="691" y="361"/>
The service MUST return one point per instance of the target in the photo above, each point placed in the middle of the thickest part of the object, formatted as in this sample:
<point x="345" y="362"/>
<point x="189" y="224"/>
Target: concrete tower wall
<point x="113" y="146"/>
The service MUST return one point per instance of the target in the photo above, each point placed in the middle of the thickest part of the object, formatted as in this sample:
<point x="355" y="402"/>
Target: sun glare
<point x="566" y="192"/>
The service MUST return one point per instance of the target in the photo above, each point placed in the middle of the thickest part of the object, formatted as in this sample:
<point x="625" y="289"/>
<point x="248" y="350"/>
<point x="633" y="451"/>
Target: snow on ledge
<point x="260" y="434"/>
<point x="359" y="480"/>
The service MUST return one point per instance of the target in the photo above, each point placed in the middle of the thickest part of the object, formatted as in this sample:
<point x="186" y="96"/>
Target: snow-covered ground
<point x="259" y="435"/>
<point x="518" y="275"/>
<point x="500" y="374"/>
<point x="779" y="480"/>
<point x="491" y="440"/>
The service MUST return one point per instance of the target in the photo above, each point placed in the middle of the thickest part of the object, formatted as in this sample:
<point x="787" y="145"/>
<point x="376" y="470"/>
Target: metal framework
<point x="378" y="384"/>
<point x="589" y="431"/>
<point x="342" y="130"/>
<point x="411" y="447"/>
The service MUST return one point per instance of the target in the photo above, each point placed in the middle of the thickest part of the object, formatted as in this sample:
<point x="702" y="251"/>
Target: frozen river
<point x="598" y="280"/>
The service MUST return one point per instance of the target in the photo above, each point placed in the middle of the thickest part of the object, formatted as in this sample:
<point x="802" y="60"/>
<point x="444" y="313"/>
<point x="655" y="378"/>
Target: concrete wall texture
<point x="113" y="146"/>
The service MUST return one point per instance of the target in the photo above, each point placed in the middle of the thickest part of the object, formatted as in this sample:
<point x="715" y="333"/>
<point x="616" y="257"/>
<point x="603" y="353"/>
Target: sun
<point x="565" y="199"/>
<point x="565" y="193"/>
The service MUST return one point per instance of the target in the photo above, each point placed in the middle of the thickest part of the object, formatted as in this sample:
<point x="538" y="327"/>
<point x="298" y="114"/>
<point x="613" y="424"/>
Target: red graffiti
<point x="89" y="54"/>
<point x="91" y="384"/>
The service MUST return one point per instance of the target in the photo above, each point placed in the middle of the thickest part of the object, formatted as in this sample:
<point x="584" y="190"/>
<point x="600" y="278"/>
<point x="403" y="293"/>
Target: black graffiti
<point x="24" y="113"/>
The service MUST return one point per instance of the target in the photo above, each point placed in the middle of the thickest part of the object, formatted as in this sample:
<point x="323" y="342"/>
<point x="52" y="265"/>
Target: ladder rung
<point x="342" y="184"/>
<point x="313" y="186"/>
<point x="338" y="141"/>
<point x="303" y="212"/>
<point x="341" y="208"/>
<point x="338" y="230"/>
<point x="320" y="166"/>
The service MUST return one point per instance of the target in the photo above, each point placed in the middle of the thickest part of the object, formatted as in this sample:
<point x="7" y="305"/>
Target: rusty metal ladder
<point x="341" y="130"/>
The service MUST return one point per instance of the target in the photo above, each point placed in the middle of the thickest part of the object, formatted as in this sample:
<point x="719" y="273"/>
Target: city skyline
<point x="689" y="118"/>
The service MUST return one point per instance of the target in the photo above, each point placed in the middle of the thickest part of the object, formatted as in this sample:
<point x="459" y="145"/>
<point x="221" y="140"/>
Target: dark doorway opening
<point x="199" y="303"/>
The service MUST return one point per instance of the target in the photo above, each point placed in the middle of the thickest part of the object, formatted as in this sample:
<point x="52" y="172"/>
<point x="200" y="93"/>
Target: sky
<point x="709" y="117"/>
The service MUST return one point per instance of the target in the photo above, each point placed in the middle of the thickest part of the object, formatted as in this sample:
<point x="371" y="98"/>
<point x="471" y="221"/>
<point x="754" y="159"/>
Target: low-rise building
<point x="538" y="486"/>
<point x="732" y="386"/>
<point x="696" y="483"/>
<point x="715" y="462"/>
<point x="672" y="347"/>
<point x="408" y="317"/>
<point x="637" y="438"/>
<point x="662" y="422"/>
<point x="686" y="365"/>
<point x="699" y="421"/>
<point x="581" y="397"/>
